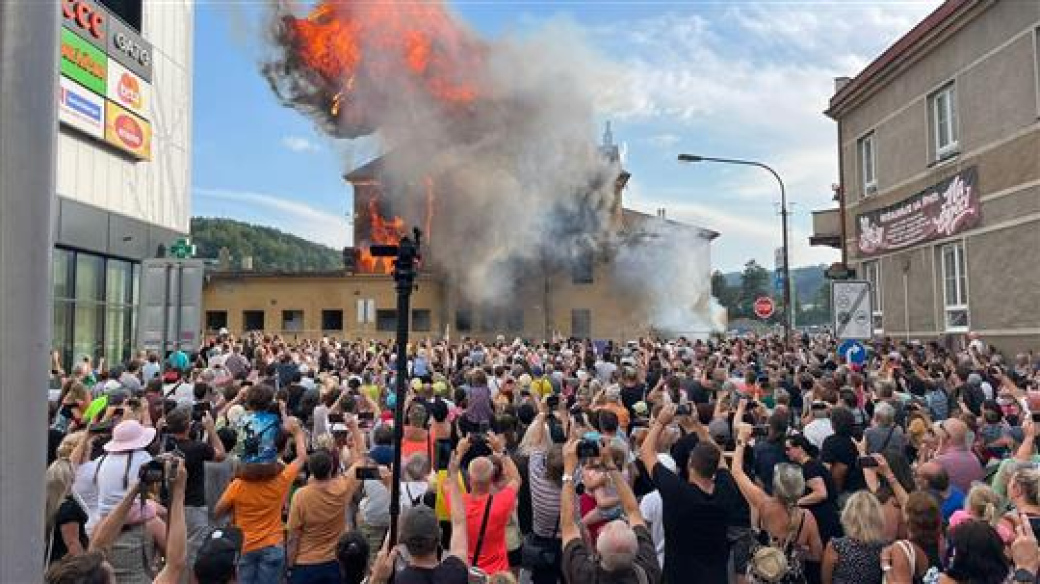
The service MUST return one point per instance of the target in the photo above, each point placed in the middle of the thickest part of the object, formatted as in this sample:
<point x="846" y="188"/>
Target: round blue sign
<point x="853" y="351"/>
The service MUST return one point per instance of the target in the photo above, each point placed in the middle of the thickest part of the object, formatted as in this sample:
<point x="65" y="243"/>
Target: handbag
<point x="540" y="553"/>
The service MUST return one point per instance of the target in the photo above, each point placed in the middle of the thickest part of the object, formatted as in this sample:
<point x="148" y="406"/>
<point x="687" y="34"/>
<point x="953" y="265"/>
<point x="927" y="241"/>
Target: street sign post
<point x="851" y="309"/>
<point x="764" y="307"/>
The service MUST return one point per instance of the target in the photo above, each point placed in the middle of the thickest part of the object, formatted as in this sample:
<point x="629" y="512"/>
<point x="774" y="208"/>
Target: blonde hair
<point x="862" y="518"/>
<point x="60" y="475"/>
<point x="69" y="443"/>
<point x="983" y="503"/>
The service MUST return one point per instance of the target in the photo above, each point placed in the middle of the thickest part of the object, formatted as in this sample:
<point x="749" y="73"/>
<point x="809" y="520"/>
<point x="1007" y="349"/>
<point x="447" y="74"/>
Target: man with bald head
<point x="625" y="550"/>
<point x="932" y="478"/>
<point x="955" y="455"/>
<point x="489" y="503"/>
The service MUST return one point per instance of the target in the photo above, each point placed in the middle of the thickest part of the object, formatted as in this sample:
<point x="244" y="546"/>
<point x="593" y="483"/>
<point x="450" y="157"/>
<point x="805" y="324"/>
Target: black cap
<point x="217" y="559"/>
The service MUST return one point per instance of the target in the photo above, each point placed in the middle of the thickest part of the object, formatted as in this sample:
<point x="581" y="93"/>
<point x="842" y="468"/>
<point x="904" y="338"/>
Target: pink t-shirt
<point x="962" y="516"/>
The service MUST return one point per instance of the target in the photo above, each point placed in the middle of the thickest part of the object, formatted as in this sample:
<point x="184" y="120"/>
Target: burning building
<point x="490" y="152"/>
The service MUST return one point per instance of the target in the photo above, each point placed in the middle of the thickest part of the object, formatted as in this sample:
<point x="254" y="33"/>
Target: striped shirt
<point x="545" y="498"/>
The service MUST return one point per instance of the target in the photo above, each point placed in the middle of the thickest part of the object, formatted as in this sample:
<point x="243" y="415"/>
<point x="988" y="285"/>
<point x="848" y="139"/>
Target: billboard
<point x="127" y="132"/>
<point x="81" y="108"/>
<point x="128" y="90"/>
<point x="82" y="62"/>
<point x="939" y="211"/>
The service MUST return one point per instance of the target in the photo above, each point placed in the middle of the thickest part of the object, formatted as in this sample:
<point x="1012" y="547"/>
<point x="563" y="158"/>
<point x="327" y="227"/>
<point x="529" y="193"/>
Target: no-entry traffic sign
<point x="764" y="307"/>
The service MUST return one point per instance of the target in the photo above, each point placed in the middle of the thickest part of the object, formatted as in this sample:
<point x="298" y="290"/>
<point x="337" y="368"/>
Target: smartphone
<point x="335" y="418"/>
<point x="868" y="462"/>
<point x="367" y="473"/>
<point x="366" y="416"/>
<point x="1036" y="417"/>
<point x="117" y="412"/>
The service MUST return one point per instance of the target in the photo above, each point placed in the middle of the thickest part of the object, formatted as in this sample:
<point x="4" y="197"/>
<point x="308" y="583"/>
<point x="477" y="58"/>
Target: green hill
<point x="807" y="281"/>
<point x="270" y="248"/>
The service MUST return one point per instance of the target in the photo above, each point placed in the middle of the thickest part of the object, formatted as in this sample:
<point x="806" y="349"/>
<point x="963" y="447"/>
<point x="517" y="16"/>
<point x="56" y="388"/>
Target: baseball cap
<point x="218" y="556"/>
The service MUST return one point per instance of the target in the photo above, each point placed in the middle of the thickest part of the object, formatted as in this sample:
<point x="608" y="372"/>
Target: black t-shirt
<point x="632" y="394"/>
<point x="828" y="520"/>
<point x="696" y="392"/>
<point x="580" y="566"/>
<point x="681" y="452"/>
<point x="69" y="512"/>
<point x="767" y="455"/>
<point x="696" y="549"/>
<point x="841" y="449"/>
<point x="728" y="493"/>
<point x="195" y="454"/>
<point x="450" y="571"/>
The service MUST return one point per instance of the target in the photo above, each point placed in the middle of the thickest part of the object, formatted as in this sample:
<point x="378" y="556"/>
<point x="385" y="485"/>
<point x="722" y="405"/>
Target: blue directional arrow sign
<point x="853" y="351"/>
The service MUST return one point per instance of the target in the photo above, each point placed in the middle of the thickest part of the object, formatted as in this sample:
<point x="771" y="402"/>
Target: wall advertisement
<point x="82" y="62"/>
<point x="128" y="90"/>
<point x="939" y="211"/>
<point x="127" y="132"/>
<point x="81" y="108"/>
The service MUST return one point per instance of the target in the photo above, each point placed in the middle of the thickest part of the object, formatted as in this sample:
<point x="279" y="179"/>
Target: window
<point x="366" y="310"/>
<point x="943" y="110"/>
<point x="331" y="320"/>
<point x="252" y="320"/>
<point x="490" y="320"/>
<point x="872" y="273"/>
<point x="582" y="267"/>
<point x="129" y="11"/>
<point x="581" y="323"/>
<point x="868" y="164"/>
<point x="292" y="320"/>
<point x="421" y="320"/>
<point x="386" y="320"/>
<point x="216" y="320"/>
<point x="515" y="320"/>
<point x="955" y="286"/>
<point x="464" y="320"/>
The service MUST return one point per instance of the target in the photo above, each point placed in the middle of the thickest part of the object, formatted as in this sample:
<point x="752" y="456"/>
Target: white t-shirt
<point x="818" y="430"/>
<point x="111" y="487"/>
<point x="184" y="393"/>
<point x="652" y="510"/>
<point x="412" y="490"/>
<point x="84" y="488"/>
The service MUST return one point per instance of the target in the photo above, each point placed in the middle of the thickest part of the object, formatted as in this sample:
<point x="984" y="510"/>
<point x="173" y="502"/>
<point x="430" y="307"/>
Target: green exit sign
<point x="182" y="249"/>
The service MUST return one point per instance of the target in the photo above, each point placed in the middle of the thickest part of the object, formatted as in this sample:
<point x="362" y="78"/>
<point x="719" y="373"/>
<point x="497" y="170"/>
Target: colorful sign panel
<point x="81" y="108"/>
<point x="127" y="47"/>
<point x="939" y="211"/>
<point x="86" y="19"/>
<point x="127" y="132"/>
<point x="128" y="90"/>
<point x="82" y="62"/>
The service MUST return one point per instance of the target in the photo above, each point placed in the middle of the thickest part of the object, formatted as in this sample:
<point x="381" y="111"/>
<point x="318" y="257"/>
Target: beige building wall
<point x="991" y="54"/>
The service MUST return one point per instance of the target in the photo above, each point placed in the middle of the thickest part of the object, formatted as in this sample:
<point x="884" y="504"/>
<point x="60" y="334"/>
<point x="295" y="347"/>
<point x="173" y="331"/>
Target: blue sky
<point x="730" y="79"/>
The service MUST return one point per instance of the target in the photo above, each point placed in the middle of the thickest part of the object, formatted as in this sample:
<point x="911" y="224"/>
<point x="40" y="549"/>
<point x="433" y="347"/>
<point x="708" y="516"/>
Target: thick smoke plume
<point x="504" y="130"/>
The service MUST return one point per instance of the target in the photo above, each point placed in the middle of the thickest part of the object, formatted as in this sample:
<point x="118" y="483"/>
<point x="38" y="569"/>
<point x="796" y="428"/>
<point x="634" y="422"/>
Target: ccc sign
<point x="85" y="16"/>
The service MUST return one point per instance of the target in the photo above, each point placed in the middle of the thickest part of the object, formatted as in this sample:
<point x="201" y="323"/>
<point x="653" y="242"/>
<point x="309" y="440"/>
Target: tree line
<point x="811" y="294"/>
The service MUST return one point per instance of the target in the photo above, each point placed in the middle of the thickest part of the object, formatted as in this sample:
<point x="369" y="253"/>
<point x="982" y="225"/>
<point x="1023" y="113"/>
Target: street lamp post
<point x="785" y="269"/>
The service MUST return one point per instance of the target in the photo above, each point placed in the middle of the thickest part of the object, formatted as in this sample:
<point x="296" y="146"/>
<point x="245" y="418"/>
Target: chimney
<point x="840" y="83"/>
<point x="224" y="259"/>
<point x="247" y="263"/>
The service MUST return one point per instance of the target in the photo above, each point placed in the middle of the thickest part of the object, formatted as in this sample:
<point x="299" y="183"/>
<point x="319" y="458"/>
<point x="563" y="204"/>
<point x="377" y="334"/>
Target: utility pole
<point x="28" y="134"/>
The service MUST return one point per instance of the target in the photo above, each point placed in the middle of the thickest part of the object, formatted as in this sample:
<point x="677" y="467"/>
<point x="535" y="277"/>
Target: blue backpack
<point x="938" y="403"/>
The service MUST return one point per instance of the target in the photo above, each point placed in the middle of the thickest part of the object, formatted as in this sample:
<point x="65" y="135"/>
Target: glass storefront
<point x="95" y="305"/>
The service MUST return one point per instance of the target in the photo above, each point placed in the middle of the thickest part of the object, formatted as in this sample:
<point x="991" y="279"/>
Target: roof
<point x="933" y="24"/>
<point x="368" y="171"/>
<point x="632" y="220"/>
<point x="217" y="274"/>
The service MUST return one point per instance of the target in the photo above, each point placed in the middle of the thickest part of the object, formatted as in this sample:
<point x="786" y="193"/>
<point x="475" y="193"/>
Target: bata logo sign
<point x="85" y="16"/>
<point x="127" y="132"/>
<point x="128" y="90"/>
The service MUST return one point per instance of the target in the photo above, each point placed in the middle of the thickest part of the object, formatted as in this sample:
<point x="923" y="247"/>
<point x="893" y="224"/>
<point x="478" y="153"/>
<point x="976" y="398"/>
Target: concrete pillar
<point x="28" y="133"/>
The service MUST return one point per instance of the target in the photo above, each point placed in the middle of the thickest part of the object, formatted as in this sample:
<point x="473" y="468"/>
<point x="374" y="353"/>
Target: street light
<point x="785" y="269"/>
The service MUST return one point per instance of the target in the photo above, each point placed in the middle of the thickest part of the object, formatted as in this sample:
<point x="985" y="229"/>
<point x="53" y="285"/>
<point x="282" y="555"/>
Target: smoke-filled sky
<point x="732" y="79"/>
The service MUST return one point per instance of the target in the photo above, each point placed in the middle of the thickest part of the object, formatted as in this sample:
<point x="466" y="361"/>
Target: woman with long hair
<point x="855" y="558"/>
<point x="978" y="556"/>
<point x="64" y="516"/>
<point x="912" y="559"/>
<point x="821" y="496"/>
<point x="891" y="480"/>
<point x="779" y="518"/>
<point x="983" y="504"/>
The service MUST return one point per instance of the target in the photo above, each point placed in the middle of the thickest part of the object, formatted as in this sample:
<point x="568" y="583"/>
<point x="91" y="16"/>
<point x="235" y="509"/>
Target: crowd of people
<point x="731" y="460"/>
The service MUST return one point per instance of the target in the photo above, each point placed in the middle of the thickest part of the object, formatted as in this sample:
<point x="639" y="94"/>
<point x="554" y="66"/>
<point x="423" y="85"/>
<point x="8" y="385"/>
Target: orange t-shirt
<point x="257" y="507"/>
<point x="410" y="447"/>
<point x="319" y="512"/>
<point x="494" y="557"/>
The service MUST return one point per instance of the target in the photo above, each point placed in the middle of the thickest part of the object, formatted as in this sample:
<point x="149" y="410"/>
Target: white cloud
<point x="666" y="140"/>
<point x="300" y="144"/>
<point x="282" y="213"/>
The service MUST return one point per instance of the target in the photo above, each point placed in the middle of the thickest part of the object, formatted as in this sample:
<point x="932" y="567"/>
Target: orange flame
<point x="362" y="52"/>
<point x="383" y="232"/>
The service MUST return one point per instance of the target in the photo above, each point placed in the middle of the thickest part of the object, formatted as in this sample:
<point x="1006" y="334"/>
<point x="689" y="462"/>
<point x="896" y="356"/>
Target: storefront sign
<point x="81" y="108"/>
<point x="940" y="211"/>
<point x="86" y="19"/>
<point x="127" y="132"/>
<point x="82" y="62"/>
<point x="127" y="47"/>
<point x="128" y="90"/>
